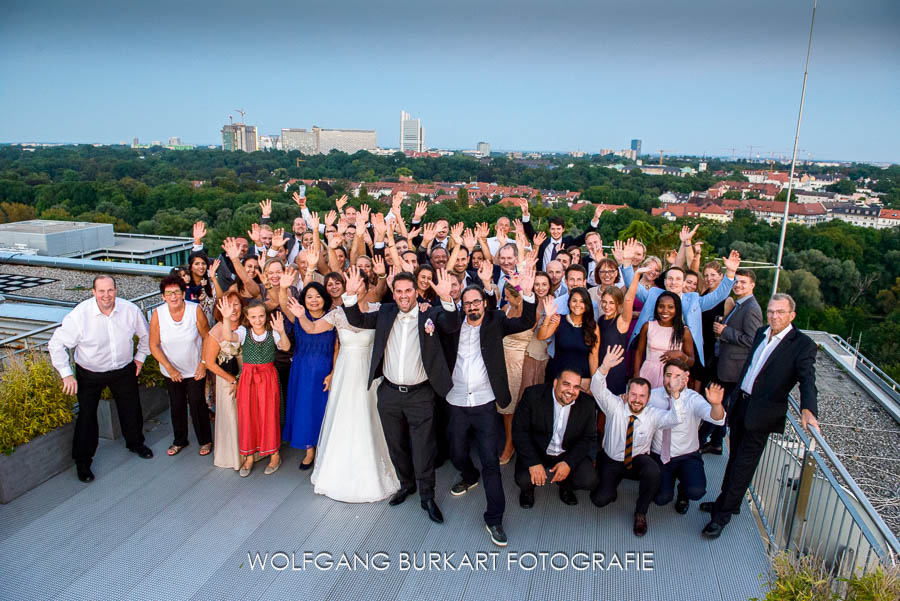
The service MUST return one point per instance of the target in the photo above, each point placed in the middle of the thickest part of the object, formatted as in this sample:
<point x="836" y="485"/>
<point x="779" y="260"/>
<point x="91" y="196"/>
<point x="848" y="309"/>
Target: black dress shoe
<point x="307" y="466"/>
<point x="526" y="499"/>
<point x="682" y="504"/>
<point x="498" y="536"/>
<point x="434" y="514"/>
<point x="712" y="530"/>
<point x="640" y="524"/>
<point x="401" y="495"/>
<point x="462" y="487"/>
<point x="84" y="473"/>
<point x="707" y="506"/>
<point x="142" y="451"/>
<point x="711" y="449"/>
<point x="567" y="496"/>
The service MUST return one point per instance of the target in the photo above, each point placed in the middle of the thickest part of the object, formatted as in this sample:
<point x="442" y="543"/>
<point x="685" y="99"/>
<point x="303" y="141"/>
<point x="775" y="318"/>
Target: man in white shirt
<point x="630" y="426"/>
<point x="101" y="330"/>
<point x="677" y="450"/>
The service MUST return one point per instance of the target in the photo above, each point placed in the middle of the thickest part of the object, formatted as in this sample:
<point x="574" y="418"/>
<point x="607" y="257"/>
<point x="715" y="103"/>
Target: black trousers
<point x="711" y="432"/>
<point x="124" y="387"/>
<point x="611" y="473"/>
<point x="582" y="476"/>
<point x="408" y="422"/>
<point x="442" y="429"/>
<point x="482" y="421"/>
<point x="189" y="393"/>
<point x="688" y="470"/>
<point x="745" y="450"/>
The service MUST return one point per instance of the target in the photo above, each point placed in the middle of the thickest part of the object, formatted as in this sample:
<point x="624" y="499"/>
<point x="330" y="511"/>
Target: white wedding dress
<point x="352" y="461"/>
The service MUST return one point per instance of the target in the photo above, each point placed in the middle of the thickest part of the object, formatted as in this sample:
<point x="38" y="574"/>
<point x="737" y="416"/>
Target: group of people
<point x="381" y="349"/>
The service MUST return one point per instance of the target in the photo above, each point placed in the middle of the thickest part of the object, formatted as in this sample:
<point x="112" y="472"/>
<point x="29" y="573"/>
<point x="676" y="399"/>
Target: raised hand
<point x="486" y="273"/>
<point x="226" y="309"/>
<point x="456" y="231"/>
<point x="296" y="309"/>
<point x="354" y="281"/>
<point x="715" y="394"/>
<point x="379" y="226"/>
<point x="614" y="356"/>
<point x="526" y="280"/>
<point x="671" y="256"/>
<point x="288" y="277"/>
<point x="340" y="202"/>
<point x="629" y="249"/>
<point x="698" y="247"/>
<point x="412" y="233"/>
<point x="549" y="304"/>
<point x="468" y="239"/>
<point x="278" y="238"/>
<point x="428" y="234"/>
<point x="598" y="210"/>
<point x="482" y="230"/>
<point x="531" y="257"/>
<point x="300" y="200"/>
<point x="396" y="203"/>
<point x="523" y="204"/>
<point x="277" y="321"/>
<point x="687" y="234"/>
<point x="314" y="223"/>
<point x="539" y="239"/>
<point x="330" y="217"/>
<point x="732" y="263"/>
<point x="253" y="233"/>
<point x="266" y="208"/>
<point x="199" y="232"/>
<point x="365" y="211"/>
<point x="231" y="248"/>
<point x="312" y="257"/>
<point x="421" y="209"/>
<point x="334" y="240"/>
<point x="214" y="268"/>
<point x="442" y="288"/>
<point x="378" y="267"/>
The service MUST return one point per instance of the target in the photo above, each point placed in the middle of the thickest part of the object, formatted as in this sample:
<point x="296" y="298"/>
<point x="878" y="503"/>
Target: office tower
<point x="636" y="146"/>
<point x="484" y="149"/>
<point x="238" y="136"/>
<point x="412" y="134"/>
<point x="135" y="142"/>
<point x="174" y="141"/>
<point x="322" y="141"/>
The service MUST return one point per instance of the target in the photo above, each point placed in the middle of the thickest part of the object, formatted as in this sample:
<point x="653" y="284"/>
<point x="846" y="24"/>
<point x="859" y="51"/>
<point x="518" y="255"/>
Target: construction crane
<point x="242" y="112"/>
<point x="751" y="147"/>
<point x="661" y="154"/>
<point x="299" y="160"/>
<point x="230" y="120"/>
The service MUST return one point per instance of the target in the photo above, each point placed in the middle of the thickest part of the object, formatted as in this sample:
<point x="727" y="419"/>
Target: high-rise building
<point x="174" y="141"/>
<point x="636" y="146"/>
<point x="412" y="134"/>
<point x="238" y="136"/>
<point x="484" y="149"/>
<point x="269" y="142"/>
<point x="135" y="142"/>
<point x="322" y="141"/>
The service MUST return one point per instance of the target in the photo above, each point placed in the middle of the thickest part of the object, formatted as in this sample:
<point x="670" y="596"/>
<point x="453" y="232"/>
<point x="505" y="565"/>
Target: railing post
<point x="801" y="503"/>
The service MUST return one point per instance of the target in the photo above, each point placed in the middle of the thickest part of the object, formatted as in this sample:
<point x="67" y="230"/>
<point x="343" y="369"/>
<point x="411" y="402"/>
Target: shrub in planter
<point x="805" y="578"/>
<point x="32" y="401"/>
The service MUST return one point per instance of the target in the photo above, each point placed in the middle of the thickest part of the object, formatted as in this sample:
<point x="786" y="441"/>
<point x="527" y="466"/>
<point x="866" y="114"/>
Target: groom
<point x="408" y="353"/>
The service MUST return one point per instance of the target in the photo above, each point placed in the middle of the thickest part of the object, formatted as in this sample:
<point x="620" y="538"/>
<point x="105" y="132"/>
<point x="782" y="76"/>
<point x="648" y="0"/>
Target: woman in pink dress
<point x="662" y="338"/>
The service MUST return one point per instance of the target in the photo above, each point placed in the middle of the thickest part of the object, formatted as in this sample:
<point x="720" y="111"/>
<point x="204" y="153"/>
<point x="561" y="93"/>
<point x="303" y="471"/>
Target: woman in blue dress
<point x="311" y="372"/>
<point x="576" y="337"/>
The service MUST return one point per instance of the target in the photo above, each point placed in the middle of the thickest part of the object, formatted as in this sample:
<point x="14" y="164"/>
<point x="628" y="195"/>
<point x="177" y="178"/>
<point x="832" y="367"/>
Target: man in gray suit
<point x="736" y="335"/>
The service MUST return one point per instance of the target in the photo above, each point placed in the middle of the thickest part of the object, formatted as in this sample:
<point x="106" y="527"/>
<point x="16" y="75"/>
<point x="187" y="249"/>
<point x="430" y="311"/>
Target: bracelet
<point x="202" y="361"/>
<point x="382" y="277"/>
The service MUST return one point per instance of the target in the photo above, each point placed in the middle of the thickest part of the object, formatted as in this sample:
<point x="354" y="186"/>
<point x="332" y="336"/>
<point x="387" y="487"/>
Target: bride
<point x="352" y="463"/>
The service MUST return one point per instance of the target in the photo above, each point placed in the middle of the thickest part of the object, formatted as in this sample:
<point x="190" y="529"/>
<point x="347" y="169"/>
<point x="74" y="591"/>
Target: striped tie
<point x="629" y="439"/>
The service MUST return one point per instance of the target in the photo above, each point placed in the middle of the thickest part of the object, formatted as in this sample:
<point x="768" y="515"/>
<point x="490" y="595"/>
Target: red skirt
<point x="258" y="402"/>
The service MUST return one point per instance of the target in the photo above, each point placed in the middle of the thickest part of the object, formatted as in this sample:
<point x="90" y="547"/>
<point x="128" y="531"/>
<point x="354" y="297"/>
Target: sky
<point x="701" y="77"/>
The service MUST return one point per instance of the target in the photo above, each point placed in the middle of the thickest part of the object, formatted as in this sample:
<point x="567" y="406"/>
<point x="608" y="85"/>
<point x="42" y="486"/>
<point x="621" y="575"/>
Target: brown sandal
<point x="206" y="448"/>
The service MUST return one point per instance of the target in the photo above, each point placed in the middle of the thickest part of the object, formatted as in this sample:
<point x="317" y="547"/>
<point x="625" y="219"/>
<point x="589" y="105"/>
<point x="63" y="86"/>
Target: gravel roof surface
<point x="72" y="285"/>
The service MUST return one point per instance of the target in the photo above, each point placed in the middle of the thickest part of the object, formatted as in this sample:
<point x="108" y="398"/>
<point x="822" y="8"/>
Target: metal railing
<point x="809" y="504"/>
<point x="870" y="370"/>
<point x="25" y="341"/>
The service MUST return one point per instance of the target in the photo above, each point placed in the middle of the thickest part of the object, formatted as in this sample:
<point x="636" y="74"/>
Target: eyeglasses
<point x="607" y="271"/>
<point x="778" y="312"/>
<point x="172" y="293"/>
<point x="474" y="303"/>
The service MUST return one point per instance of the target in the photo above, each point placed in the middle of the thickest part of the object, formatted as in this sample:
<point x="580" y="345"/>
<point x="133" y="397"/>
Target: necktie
<point x="665" y="453"/>
<point x="555" y="251"/>
<point x="629" y="439"/>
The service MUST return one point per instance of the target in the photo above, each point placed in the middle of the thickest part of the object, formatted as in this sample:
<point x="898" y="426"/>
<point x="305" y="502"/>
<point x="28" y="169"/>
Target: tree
<point x="842" y="186"/>
<point x="462" y="199"/>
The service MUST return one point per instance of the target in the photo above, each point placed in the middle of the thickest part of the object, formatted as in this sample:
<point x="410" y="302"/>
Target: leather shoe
<point x="682" y="504"/>
<point x="712" y="530"/>
<point x="567" y="496"/>
<point x="640" y="524"/>
<point x="142" y="451"/>
<point x="400" y="496"/>
<point x="84" y="473"/>
<point x="434" y="514"/>
<point x="498" y="536"/>
<point x="707" y="506"/>
<point x="526" y="499"/>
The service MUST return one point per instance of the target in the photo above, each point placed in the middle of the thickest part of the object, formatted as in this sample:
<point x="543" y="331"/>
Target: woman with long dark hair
<point x="199" y="289"/>
<point x="424" y="275"/>
<point x="311" y="371"/>
<point x="662" y="338"/>
<point x="576" y="336"/>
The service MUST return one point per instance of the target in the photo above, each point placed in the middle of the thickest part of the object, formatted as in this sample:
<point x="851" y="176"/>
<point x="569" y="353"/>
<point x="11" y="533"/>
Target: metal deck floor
<point x="179" y="528"/>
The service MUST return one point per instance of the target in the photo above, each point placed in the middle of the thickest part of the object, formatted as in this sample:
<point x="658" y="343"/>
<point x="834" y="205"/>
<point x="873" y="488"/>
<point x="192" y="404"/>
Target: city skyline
<point x="696" y="79"/>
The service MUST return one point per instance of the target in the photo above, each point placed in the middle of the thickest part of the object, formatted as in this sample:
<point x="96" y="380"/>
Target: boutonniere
<point x="429" y="327"/>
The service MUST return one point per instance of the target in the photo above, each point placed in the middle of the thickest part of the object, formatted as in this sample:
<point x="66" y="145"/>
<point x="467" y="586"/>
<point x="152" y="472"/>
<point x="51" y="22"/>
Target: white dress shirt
<point x="102" y="343"/>
<point x="691" y="408"/>
<point x="617" y="412"/>
<point x="762" y="353"/>
<point x="471" y="385"/>
<point x="560" y="422"/>
<point x="403" y="356"/>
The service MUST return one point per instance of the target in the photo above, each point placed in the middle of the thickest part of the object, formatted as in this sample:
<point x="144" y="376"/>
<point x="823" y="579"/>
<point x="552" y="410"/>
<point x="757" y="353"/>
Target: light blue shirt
<point x="692" y="307"/>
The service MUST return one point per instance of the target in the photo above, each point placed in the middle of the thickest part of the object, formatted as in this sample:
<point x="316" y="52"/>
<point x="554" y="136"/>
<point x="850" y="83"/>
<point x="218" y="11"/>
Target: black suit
<point x="532" y="431"/>
<point x="567" y="241"/>
<point x="753" y="417"/>
<point x="482" y="419"/>
<point x="407" y="414"/>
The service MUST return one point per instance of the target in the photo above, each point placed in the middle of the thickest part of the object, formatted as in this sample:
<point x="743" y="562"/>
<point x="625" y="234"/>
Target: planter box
<point x="35" y="462"/>
<point x="153" y="402"/>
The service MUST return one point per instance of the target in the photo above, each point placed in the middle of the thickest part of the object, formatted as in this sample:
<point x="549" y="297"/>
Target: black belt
<point x="405" y="388"/>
